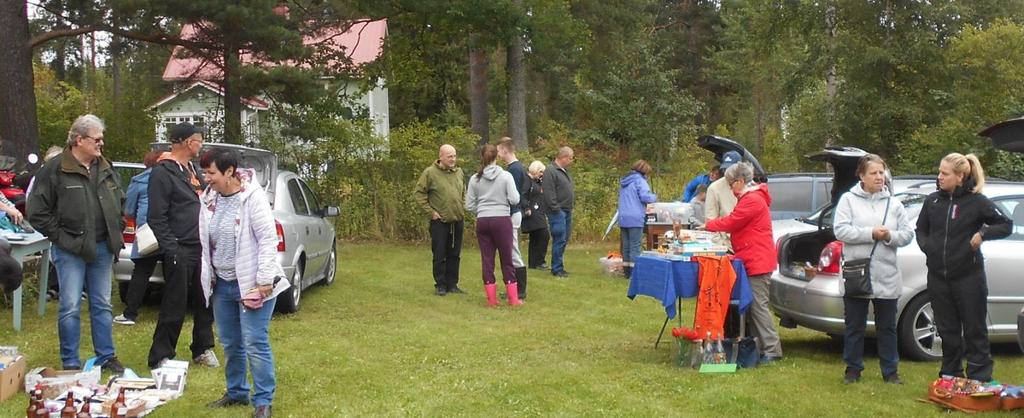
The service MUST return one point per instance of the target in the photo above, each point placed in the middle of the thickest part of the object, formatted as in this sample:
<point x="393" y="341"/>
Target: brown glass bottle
<point x="41" y="411"/>
<point x="33" y="401"/>
<point x="119" y="408"/>
<point x="69" y="410"/>
<point x="85" y="413"/>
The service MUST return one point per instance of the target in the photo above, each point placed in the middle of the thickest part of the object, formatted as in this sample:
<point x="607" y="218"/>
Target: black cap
<point x="182" y="131"/>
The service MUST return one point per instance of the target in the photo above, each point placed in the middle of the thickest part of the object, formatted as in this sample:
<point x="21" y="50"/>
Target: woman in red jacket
<point x="750" y="228"/>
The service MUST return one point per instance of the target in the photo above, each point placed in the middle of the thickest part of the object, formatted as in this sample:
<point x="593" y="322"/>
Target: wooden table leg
<point x="17" y="307"/>
<point x="44" y="279"/>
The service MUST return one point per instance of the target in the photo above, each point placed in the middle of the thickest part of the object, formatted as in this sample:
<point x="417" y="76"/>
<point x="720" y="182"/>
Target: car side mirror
<point x="330" y="211"/>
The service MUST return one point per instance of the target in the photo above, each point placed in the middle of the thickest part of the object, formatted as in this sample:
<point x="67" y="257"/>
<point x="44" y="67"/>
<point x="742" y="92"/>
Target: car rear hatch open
<point x="720" y="145"/>
<point x="1007" y="135"/>
<point x="799" y="250"/>
<point x="263" y="161"/>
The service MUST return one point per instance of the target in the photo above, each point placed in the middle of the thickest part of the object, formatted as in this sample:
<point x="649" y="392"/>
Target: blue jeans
<point x="631" y="240"/>
<point x="560" y="225"/>
<point x="885" y="333"/>
<point x="75" y="274"/>
<point x="245" y="334"/>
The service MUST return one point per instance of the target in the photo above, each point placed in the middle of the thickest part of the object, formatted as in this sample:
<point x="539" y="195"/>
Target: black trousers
<point x="144" y="267"/>
<point x="960" y="308"/>
<point x="181" y="289"/>
<point x="446" y="245"/>
<point x="538" y="247"/>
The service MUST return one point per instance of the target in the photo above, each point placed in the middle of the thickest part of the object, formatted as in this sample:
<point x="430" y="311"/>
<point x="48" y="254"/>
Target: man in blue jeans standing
<point x="76" y="203"/>
<point x="558" y="190"/>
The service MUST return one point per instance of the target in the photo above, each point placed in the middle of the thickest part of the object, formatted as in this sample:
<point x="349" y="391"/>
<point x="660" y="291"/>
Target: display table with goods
<point x="22" y="246"/>
<point x="691" y="266"/>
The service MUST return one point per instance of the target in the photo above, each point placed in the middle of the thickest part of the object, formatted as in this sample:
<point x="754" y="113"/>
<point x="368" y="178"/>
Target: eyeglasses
<point x="95" y="139"/>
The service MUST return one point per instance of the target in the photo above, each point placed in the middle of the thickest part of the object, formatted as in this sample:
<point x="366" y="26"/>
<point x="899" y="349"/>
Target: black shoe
<point x="440" y="291"/>
<point x="851" y="376"/>
<point x="456" y="289"/>
<point x="262" y="411"/>
<point x="226" y="401"/>
<point x="114" y="366"/>
<point x="893" y="379"/>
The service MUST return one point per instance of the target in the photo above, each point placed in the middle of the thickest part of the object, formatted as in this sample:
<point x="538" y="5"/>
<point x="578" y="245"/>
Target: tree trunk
<point x="478" y="64"/>
<point x="517" y="90"/>
<point x="115" y="67"/>
<point x="19" y="128"/>
<point x="232" y="100"/>
<point x="831" y="76"/>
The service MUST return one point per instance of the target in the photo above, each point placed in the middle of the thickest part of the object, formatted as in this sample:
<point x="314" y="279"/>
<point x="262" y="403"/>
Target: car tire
<point x="918" y="337"/>
<point x="288" y="301"/>
<point x="331" y="268"/>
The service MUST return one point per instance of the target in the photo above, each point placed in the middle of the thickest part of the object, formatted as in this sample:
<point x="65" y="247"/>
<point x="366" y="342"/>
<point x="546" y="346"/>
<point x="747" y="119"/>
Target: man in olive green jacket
<point x="76" y="203"/>
<point x="440" y="194"/>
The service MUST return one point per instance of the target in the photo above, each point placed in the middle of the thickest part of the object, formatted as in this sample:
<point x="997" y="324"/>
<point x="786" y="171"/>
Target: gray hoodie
<point x="492" y="195"/>
<point x="857" y="214"/>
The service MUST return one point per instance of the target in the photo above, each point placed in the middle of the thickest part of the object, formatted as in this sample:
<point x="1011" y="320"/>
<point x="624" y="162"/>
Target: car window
<point x="125" y="175"/>
<point x="1013" y="208"/>
<point x="824" y="192"/>
<point x="790" y="196"/>
<point x="314" y="205"/>
<point x="298" y="202"/>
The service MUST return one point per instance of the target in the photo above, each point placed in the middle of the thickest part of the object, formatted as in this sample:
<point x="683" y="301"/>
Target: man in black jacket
<point x="76" y="203"/>
<point x="560" y="193"/>
<point x="174" y="218"/>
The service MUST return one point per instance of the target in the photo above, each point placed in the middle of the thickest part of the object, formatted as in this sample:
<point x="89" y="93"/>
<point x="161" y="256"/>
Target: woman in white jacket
<point x="240" y="275"/>
<point x="861" y="221"/>
<point x="490" y="195"/>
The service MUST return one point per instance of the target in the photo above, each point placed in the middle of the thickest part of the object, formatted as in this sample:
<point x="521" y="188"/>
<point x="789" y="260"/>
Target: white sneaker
<point x="123" y="320"/>
<point x="208" y="359"/>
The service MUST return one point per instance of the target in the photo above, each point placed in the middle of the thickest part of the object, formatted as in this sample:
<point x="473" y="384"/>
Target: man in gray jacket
<point x="559" y="190"/>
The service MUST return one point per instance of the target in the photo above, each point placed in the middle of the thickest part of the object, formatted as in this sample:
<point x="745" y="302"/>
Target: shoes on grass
<point x="123" y="320"/>
<point x="208" y="359"/>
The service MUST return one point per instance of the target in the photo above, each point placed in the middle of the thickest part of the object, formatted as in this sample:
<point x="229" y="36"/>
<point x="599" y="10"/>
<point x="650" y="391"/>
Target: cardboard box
<point x="11" y="378"/>
<point x="54" y="383"/>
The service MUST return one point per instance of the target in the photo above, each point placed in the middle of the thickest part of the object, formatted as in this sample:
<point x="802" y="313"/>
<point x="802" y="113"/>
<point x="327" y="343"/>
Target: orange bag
<point x="962" y="403"/>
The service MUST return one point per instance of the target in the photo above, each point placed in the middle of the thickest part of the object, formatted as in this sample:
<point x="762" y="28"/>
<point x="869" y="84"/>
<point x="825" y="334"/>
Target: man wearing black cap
<point x="174" y="218"/>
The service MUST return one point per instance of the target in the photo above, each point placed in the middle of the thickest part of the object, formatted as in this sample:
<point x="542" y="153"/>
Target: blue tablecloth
<point x="667" y="280"/>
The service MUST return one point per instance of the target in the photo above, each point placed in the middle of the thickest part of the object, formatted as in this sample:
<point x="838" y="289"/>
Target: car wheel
<point x="289" y="302"/>
<point x="332" y="268"/>
<point x="919" y="338"/>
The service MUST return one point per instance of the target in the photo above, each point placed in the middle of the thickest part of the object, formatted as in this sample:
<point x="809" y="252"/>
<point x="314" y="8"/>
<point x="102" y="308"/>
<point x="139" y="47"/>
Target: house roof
<point x="361" y="43"/>
<point x="251" y="102"/>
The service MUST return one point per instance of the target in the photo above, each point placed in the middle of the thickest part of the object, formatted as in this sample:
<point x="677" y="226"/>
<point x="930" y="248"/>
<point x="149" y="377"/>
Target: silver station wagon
<point x="306" y="245"/>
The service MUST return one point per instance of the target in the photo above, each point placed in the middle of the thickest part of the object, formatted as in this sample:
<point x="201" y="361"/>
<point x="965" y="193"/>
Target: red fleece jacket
<point x="750" y="225"/>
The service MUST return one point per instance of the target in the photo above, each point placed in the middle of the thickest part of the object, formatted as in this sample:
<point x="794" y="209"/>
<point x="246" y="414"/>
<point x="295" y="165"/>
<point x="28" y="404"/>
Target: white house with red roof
<point x="198" y="96"/>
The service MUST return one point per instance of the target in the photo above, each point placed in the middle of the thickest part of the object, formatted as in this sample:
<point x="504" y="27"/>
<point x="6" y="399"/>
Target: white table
<point x="20" y="249"/>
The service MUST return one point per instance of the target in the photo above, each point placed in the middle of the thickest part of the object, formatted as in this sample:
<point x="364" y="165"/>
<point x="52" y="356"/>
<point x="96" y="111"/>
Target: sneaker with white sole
<point x="123" y="320"/>
<point x="208" y="359"/>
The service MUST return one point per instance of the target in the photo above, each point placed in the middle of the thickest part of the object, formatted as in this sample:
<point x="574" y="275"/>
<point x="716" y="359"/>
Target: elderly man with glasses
<point x="76" y="203"/>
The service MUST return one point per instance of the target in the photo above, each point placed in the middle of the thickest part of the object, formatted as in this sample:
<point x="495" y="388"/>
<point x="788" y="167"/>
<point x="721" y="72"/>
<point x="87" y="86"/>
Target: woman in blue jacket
<point x="634" y="195"/>
<point x="136" y="206"/>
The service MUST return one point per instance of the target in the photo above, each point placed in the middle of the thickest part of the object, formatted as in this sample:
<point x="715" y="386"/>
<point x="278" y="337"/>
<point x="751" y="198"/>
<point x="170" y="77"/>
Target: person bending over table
<point x="750" y="227"/>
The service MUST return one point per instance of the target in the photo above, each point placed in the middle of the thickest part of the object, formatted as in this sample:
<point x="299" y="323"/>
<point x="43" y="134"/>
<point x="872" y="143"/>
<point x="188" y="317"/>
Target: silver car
<point x="815" y="300"/>
<point x="306" y="242"/>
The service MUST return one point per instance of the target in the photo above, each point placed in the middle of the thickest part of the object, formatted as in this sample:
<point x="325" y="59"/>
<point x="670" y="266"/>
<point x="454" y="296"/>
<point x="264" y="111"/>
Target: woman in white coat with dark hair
<point x="868" y="218"/>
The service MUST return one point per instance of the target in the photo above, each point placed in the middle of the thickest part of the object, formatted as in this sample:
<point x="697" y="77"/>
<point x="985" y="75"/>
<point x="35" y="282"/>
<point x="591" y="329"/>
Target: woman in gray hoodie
<point x="491" y="192"/>
<point x="868" y="218"/>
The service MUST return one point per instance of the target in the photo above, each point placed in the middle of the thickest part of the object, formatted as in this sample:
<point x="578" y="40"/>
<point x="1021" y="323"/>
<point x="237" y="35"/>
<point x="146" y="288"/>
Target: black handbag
<point x="857" y="273"/>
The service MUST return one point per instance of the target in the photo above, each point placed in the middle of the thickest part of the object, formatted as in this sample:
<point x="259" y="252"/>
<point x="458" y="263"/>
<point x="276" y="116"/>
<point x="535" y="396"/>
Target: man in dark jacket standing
<point x="440" y="194"/>
<point x="559" y="191"/>
<point x="76" y="203"/>
<point x="174" y="218"/>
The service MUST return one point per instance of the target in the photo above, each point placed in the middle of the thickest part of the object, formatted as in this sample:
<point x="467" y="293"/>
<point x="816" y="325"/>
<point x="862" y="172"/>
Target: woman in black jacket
<point x="953" y="222"/>
<point x="535" y="222"/>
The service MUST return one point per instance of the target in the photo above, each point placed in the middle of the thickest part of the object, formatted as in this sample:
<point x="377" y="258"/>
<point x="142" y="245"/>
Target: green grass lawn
<point x="379" y="342"/>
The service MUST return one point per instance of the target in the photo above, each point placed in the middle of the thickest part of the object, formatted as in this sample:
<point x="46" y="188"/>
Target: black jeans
<point x="446" y="245"/>
<point x="144" y="267"/>
<point x="181" y="289"/>
<point x="885" y="333"/>
<point x="960" y="305"/>
<point x="538" y="247"/>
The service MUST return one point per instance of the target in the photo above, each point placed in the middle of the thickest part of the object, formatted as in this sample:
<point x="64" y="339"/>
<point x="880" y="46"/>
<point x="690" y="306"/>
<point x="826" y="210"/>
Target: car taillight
<point x="129" y="230"/>
<point x="280" y="236"/>
<point x="831" y="258"/>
